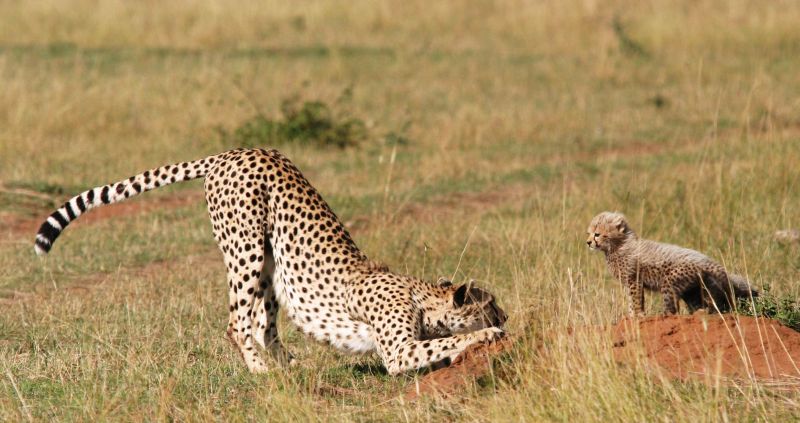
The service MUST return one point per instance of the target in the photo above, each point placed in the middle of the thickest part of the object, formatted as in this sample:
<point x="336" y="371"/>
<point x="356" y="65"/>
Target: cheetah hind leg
<point x="266" y="309"/>
<point x="244" y="270"/>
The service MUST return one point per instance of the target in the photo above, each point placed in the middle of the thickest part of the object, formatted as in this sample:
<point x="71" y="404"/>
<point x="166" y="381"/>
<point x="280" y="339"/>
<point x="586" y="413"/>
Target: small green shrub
<point x="312" y="122"/>
<point x="398" y="137"/>
<point x="783" y="309"/>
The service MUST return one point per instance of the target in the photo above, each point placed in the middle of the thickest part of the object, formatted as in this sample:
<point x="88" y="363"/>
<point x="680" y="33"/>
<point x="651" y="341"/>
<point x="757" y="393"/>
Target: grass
<point x="783" y="309"/>
<point x="526" y="119"/>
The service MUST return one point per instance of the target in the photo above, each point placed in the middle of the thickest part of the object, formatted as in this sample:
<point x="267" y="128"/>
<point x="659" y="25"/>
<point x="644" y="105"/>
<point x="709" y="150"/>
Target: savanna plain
<point x="485" y="136"/>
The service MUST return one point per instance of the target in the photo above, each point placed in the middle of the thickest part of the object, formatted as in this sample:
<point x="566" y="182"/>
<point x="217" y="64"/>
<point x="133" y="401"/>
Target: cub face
<point x="606" y="231"/>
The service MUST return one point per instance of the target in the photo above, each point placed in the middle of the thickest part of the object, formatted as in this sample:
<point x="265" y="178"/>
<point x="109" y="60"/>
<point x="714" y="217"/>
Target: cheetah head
<point x="608" y="231"/>
<point x="468" y="309"/>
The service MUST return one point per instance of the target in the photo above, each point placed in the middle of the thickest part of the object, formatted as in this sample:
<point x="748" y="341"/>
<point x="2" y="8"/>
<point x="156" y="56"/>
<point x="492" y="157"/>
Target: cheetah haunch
<point x="674" y="271"/>
<point x="283" y="246"/>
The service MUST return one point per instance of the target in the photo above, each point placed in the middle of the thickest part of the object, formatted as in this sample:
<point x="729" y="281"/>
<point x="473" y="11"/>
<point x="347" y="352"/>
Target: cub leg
<point x="635" y="290"/>
<point x="720" y="289"/>
<point x="694" y="298"/>
<point x="670" y="297"/>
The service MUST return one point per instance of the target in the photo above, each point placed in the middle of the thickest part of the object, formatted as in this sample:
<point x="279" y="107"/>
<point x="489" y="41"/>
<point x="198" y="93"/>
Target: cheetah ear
<point x="443" y="282"/>
<point x="460" y="295"/>
<point x="467" y="294"/>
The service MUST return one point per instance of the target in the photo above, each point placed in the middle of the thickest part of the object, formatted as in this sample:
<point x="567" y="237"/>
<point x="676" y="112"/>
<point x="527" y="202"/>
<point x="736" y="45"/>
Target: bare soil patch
<point x="473" y="363"/>
<point x="14" y="225"/>
<point x="730" y="346"/>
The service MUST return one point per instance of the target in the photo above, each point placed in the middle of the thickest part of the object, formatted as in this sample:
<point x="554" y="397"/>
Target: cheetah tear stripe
<point x="113" y="193"/>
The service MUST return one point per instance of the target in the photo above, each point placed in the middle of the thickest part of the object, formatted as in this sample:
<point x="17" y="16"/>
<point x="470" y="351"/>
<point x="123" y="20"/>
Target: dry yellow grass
<point x="525" y="120"/>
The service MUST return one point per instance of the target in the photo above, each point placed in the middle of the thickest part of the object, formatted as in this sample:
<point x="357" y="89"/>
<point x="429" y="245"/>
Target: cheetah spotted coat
<point x="678" y="273"/>
<point x="284" y="247"/>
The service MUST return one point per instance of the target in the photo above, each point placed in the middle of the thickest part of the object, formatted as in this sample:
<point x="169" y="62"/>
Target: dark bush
<point x="312" y="122"/>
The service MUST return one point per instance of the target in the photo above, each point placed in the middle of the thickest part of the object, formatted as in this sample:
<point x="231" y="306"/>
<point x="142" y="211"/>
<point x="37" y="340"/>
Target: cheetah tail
<point x="112" y="193"/>
<point x="742" y="288"/>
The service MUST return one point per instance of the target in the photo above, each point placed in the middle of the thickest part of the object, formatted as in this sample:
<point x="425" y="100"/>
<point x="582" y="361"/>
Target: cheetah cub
<point x="283" y="247"/>
<point x="674" y="271"/>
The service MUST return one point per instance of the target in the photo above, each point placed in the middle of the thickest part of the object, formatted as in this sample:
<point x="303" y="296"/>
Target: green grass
<point x="493" y="129"/>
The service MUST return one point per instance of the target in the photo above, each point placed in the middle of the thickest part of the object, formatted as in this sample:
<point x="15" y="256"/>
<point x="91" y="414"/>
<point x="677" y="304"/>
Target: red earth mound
<point x="731" y="346"/>
<point x="471" y="363"/>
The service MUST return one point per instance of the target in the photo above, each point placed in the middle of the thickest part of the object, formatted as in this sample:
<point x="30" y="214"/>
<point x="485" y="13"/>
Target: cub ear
<point x="619" y="223"/>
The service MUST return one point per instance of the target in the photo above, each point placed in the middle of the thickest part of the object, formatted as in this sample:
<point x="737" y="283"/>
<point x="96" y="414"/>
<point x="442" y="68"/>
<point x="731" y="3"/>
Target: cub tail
<point x="741" y="288"/>
<point x="112" y="193"/>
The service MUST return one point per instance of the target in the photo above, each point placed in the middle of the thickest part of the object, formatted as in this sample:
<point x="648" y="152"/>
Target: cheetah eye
<point x="596" y="235"/>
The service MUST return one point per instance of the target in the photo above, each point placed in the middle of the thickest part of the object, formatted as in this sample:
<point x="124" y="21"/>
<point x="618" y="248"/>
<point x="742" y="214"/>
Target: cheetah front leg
<point x="416" y="354"/>
<point x="399" y="346"/>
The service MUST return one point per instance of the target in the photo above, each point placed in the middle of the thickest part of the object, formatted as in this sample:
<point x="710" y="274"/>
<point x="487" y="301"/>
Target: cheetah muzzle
<point x="284" y="247"/>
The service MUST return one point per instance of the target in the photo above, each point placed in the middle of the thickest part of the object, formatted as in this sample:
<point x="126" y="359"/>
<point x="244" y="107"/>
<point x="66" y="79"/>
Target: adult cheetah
<point x="283" y="246"/>
<point x="674" y="271"/>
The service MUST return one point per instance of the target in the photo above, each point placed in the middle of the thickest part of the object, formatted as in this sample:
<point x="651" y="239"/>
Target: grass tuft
<point x="307" y="122"/>
<point x="783" y="308"/>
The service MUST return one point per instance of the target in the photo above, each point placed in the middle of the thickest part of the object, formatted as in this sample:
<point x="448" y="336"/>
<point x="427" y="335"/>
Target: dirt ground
<point x="15" y="224"/>
<point x="474" y="362"/>
<point x="731" y="347"/>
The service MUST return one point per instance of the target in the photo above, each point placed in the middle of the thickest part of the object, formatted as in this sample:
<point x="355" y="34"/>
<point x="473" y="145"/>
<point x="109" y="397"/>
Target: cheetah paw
<point x="283" y="357"/>
<point x="493" y="334"/>
<point x="257" y="366"/>
<point x="288" y="359"/>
